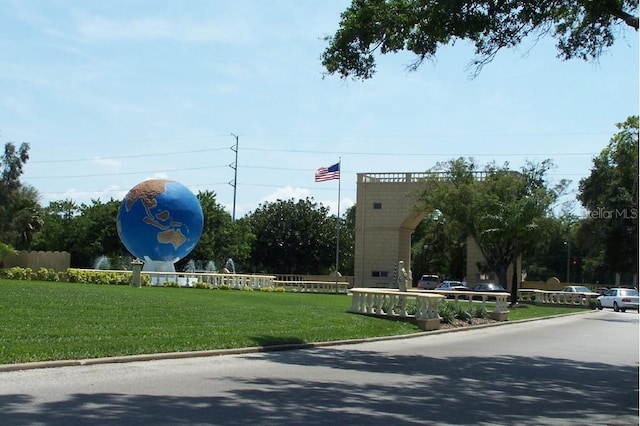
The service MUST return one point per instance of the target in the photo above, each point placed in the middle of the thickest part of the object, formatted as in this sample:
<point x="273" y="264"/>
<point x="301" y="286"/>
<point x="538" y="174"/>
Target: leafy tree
<point x="222" y="238"/>
<point x="591" y="264"/>
<point x="94" y="234"/>
<point x="501" y="209"/>
<point x="27" y="217"/>
<point x="12" y="161"/>
<point x="610" y="194"/>
<point x="19" y="208"/>
<point x="57" y="228"/>
<point x="293" y="237"/>
<point x="347" y="241"/>
<point x="548" y="256"/>
<point x="438" y="248"/>
<point x="5" y="250"/>
<point x="583" y="29"/>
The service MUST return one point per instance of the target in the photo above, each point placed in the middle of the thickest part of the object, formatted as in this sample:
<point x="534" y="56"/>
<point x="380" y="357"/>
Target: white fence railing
<point x="216" y="280"/>
<point x="313" y="286"/>
<point x="235" y="281"/>
<point x="500" y="310"/>
<point x="374" y="301"/>
<point x="542" y="297"/>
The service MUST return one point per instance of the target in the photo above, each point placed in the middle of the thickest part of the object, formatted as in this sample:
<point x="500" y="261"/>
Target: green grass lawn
<point x="42" y="321"/>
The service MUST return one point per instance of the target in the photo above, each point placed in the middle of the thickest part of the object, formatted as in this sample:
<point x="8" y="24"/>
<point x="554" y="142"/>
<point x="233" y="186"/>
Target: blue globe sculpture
<point x="160" y="221"/>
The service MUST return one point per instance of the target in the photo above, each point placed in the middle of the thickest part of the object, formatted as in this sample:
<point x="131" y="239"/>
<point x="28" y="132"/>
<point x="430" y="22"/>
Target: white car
<point x="452" y="285"/>
<point x="620" y="299"/>
<point x="428" y="282"/>
<point x="577" y="289"/>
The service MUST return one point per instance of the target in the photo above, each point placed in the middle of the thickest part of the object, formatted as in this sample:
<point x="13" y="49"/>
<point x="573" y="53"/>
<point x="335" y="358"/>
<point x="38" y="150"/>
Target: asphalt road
<point x="573" y="370"/>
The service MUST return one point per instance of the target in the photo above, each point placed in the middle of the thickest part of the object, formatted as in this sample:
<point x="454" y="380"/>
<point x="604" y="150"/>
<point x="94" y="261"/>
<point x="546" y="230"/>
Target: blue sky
<point x="109" y="94"/>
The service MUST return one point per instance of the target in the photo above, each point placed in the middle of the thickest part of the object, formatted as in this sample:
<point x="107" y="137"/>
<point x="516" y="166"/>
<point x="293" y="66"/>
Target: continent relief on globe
<point x="147" y="194"/>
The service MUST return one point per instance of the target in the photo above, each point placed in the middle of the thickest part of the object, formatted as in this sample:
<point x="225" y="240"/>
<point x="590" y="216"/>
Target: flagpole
<point x="338" y="221"/>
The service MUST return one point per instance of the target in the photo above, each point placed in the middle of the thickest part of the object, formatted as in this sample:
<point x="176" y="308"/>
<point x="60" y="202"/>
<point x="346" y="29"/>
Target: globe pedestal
<point x="159" y="265"/>
<point x="166" y="267"/>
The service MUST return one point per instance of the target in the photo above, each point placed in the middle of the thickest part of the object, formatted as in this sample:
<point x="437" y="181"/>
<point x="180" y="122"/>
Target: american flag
<point x="328" y="173"/>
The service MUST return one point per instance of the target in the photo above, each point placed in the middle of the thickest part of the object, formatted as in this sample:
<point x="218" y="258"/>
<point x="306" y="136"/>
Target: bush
<point x="17" y="273"/>
<point x="410" y="308"/>
<point x="447" y="312"/>
<point x="45" y="274"/>
<point x="462" y="314"/>
<point x="203" y="285"/>
<point x="172" y="284"/>
<point x="98" y="277"/>
<point x="273" y="289"/>
<point x="479" y="312"/>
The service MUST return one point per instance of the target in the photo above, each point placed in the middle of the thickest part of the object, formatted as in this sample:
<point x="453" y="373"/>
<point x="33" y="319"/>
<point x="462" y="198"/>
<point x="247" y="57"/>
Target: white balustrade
<point x="374" y="301"/>
<point x="303" y="286"/>
<point x="501" y="307"/>
<point x="542" y="297"/>
<point x="216" y="280"/>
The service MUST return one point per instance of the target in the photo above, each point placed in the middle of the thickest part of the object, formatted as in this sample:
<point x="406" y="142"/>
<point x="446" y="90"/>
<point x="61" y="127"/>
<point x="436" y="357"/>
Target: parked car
<point x="491" y="287"/>
<point x="620" y="299"/>
<point x="488" y="287"/>
<point x="577" y="289"/>
<point x="452" y="285"/>
<point x="428" y="282"/>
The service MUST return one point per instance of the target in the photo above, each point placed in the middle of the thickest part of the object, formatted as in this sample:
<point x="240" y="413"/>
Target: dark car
<point x="488" y="288"/>
<point x="491" y="287"/>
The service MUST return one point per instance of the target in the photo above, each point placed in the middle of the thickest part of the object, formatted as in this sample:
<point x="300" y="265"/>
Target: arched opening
<point x="386" y="222"/>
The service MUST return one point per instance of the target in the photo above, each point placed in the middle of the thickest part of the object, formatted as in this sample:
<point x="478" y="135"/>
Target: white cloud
<point x="108" y="162"/>
<point x="159" y="175"/>
<point x="286" y="193"/>
<point x="85" y="197"/>
<point x="345" y="203"/>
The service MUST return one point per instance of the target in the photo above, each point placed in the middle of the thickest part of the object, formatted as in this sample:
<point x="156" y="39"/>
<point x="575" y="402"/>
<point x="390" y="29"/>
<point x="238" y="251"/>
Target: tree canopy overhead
<point x="583" y="29"/>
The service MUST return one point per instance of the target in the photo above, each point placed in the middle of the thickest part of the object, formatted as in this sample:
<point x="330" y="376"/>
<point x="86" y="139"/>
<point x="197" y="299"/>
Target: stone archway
<point x="386" y="217"/>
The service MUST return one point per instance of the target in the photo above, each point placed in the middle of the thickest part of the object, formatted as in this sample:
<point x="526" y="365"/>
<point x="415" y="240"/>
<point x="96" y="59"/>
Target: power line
<point x="414" y="154"/>
<point x="120" y="157"/>
<point x="301" y="151"/>
<point x="184" y="169"/>
<point x="200" y="185"/>
<point x="125" y="173"/>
